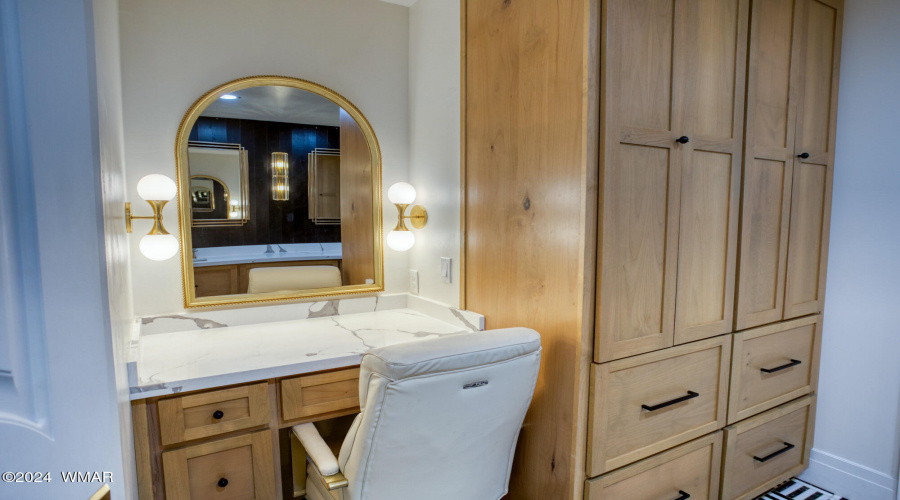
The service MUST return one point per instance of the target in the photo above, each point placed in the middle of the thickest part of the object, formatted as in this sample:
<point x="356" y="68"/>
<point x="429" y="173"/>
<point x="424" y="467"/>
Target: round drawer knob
<point x="803" y="155"/>
<point x="222" y="482"/>
<point x="217" y="415"/>
<point x="683" y="139"/>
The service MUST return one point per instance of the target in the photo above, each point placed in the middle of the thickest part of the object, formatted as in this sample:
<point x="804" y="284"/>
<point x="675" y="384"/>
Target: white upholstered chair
<point x="280" y="279"/>
<point x="439" y="421"/>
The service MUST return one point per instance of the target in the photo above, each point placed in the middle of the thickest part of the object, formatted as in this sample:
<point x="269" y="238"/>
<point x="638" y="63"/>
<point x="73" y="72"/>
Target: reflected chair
<point x="291" y="278"/>
<point x="439" y="421"/>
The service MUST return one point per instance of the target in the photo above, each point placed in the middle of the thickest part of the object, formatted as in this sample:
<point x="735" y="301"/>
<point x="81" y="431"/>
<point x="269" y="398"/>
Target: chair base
<point x="315" y="486"/>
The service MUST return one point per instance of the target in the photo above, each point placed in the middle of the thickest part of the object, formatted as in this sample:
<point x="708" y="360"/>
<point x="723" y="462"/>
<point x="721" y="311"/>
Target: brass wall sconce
<point x="156" y="190"/>
<point x="402" y="195"/>
<point x="281" y="187"/>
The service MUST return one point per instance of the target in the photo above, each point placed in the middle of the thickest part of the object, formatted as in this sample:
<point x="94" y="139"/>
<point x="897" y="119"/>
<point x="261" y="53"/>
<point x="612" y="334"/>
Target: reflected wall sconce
<point x="281" y="188"/>
<point x="157" y="190"/>
<point x="402" y="195"/>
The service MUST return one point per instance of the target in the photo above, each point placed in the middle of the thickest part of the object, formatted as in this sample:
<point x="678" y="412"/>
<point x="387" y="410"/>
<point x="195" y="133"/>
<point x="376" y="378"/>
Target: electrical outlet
<point x="446" y="262"/>
<point x="414" y="282"/>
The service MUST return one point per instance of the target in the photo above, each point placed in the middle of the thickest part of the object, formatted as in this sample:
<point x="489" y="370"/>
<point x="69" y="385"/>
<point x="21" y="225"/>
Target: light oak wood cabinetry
<point x="764" y="450"/>
<point x="647" y="183"/>
<point x="788" y="159"/>
<point x="234" y="442"/>
<point x="688" y="471"/>
<point x="232" y="279"/>
<point x="672" y="91"/>
<point x="646" y="404"/>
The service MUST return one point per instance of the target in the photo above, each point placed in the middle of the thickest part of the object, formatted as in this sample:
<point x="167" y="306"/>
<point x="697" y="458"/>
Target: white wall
<point x="434" y="129"/>
<point x="857" y="435"/>
<point x="173" y="51"/>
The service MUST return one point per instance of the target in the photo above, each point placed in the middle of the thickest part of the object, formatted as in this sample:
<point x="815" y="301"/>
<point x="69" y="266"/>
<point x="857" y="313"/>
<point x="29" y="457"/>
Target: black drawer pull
<point x="690" y="395"/>
<point x="770" y="456"/>
<point x="794" y="362"/>
<point x="683" y="140"/>
<point x="222" y="482"/>
<point x="684" y="495"/>
<point x="803" y="155"/>
<point x="218" y="414"/>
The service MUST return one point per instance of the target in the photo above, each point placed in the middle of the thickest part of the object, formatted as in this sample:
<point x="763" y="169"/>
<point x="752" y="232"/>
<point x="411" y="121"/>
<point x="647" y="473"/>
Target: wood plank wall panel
<point x="357" y="229"/>
<point x="270" y="221"/>
<point x="530" y="184"/>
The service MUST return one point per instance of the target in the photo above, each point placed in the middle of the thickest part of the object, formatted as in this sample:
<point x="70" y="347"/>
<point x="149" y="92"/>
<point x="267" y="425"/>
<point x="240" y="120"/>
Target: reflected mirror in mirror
<point x="282" y="180"/>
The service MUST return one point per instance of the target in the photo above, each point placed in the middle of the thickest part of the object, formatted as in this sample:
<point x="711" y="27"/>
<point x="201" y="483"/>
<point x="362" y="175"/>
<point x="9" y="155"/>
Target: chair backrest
<point x="278" y="279"/>
<point x="440" y="418"/>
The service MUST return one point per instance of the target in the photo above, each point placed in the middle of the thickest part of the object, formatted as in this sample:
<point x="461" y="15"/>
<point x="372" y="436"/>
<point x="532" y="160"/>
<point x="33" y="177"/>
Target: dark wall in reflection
<point x="270" y="221"/>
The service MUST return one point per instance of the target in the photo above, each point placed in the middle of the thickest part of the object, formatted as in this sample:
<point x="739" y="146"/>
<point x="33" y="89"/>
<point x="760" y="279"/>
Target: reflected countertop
<point x="251" y="254"/>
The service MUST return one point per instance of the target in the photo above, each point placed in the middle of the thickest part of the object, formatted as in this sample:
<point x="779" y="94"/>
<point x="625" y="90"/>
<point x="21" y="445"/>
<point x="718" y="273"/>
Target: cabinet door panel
<point x="767" y="190"/>
<point x="704" y="303"/>
<point x="773" y="70"/>
<point x="708" y="108"/>
<point x="636" y="302"/>
<point x="811" y="192"/>
<point x="642" y="44"/>
<point x="641" y="180"/>
<point x="805" y="253"/>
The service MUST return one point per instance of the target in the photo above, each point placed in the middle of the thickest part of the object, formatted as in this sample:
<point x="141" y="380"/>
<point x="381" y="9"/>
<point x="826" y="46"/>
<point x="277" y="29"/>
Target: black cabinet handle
<point x="794" y="362"/>
<point x="803" y="155"/>
<point x="684" y="495"/>
<point x="770" y="456"/>
<point x="218" y="414"/>
<point x="690" y="395"/>
<point x="683" y="139"/>
<point x="222" y="482"/>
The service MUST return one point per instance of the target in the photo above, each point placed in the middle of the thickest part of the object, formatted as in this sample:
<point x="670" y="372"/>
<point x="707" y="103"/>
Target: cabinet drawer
<point x="773" y="365"/>
<point x="766" y="449"/>
<point x="320" y="393"/>
<point x="238" y="468"/>
<point x="207" y="414"/>
<point x="690" y="469"/>
<point x="649" y="403"/>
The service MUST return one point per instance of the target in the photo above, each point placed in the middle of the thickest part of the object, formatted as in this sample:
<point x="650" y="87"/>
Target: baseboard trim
<point x="848" y="479"/>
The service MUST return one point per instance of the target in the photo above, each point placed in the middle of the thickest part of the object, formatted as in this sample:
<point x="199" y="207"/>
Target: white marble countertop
<point x="204" y="357"/>
<point x="221" y="256"/>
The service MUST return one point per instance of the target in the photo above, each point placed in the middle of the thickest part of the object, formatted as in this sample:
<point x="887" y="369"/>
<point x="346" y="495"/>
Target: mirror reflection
<point x="282" y="191"/>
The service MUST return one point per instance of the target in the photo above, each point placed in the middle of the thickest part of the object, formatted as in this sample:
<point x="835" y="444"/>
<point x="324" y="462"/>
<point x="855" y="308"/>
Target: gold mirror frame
<point x="184" y="193"/>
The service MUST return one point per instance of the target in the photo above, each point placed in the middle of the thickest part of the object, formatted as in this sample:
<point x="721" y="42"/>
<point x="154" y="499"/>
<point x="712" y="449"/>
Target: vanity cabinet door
<point x="672" y="108"/>
<point x="238" y="468"/>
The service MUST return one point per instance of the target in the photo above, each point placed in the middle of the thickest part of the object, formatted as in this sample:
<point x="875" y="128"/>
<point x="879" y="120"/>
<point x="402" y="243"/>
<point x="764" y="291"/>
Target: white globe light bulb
<point x="402" y="193"/>
<point x="156" y="187"/>
<point x="159" y="246"/>
<point x="401" y="241"/>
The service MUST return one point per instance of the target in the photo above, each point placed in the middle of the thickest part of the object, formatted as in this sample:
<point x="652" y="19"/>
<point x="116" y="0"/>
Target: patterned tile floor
<point x="795" y="489"/>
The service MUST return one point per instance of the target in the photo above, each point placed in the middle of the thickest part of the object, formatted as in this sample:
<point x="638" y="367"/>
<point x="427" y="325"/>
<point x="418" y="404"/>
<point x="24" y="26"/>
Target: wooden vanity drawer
<point x="692" y="468"/>
<point x="766" y="449"/>
<point x="238" y="468"/>
<point x="773" y="365"/>
<point x="196" y="416"/>
<point x="646" y="404"/>
<point x="321" y="393"/>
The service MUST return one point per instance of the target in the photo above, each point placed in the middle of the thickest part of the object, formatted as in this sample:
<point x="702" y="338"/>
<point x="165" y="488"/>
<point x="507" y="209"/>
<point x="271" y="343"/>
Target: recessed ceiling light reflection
<point x="229" y="97"/>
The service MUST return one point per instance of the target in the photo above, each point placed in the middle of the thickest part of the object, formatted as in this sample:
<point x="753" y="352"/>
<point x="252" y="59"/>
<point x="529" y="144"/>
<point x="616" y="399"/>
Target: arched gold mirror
<point x="279" y="194"/>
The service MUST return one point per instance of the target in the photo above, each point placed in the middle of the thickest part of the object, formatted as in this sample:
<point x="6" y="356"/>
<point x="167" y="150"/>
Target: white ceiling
<point x="277" y="104"/>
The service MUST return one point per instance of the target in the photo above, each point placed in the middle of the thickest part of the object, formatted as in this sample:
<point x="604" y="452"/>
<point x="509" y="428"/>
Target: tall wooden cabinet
<point x="788" y="159"/>
<point x="647" y="183"/>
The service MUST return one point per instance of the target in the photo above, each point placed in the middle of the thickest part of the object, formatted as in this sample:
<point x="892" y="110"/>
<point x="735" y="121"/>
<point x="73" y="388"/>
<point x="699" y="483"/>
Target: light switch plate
<point x="446" y="262"/>
<point x="414" y="282"/>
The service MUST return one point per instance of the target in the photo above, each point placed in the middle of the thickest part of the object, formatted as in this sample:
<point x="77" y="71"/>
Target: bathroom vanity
<point x="214" y="394"/>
